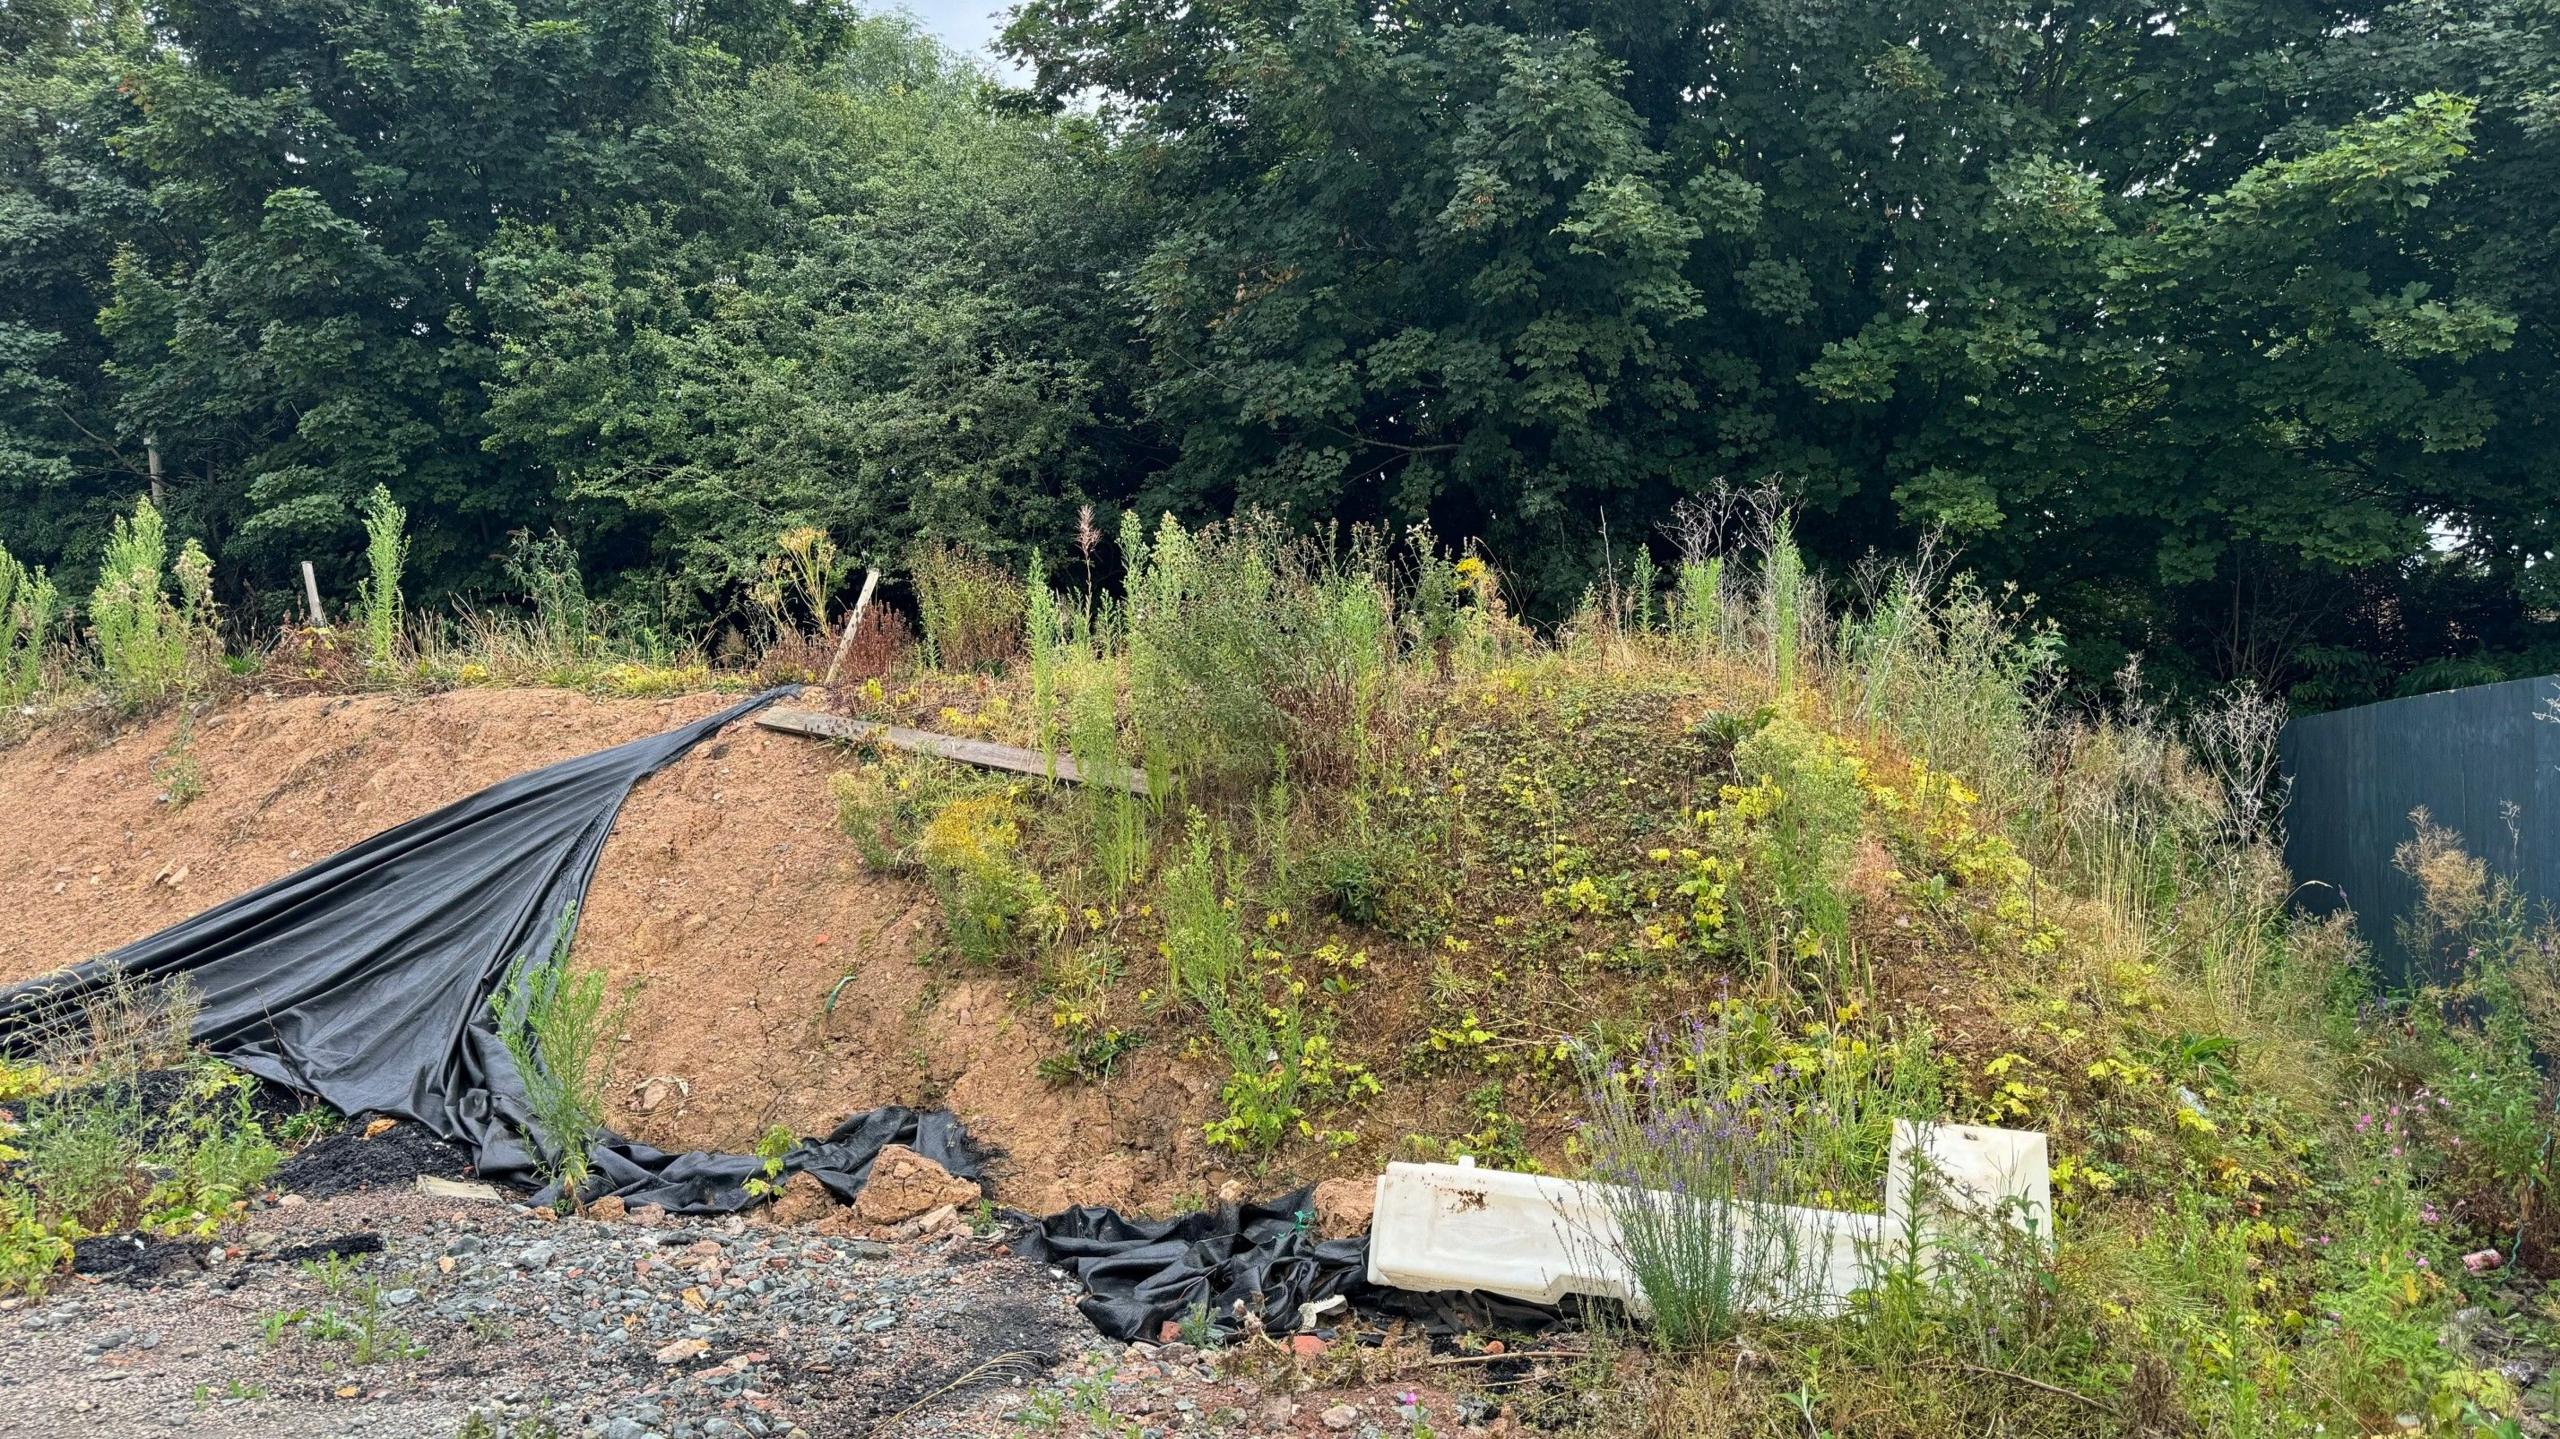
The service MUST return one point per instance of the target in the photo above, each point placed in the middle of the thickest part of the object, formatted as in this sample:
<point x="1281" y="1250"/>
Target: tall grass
<point x="972" y="610"/>
<point x="1700" y="1146"/>
<point x="1245" y="643"/>
<point x="28" y="607"/>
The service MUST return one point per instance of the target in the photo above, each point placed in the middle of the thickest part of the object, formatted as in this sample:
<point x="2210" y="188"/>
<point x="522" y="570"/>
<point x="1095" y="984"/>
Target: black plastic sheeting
<point x="1260" y="1259"/>
<point x="366" y="979"/>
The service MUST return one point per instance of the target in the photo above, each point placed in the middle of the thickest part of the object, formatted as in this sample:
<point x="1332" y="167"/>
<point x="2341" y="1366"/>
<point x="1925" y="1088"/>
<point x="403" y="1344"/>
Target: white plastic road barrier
<point x="1457" y="1227"/>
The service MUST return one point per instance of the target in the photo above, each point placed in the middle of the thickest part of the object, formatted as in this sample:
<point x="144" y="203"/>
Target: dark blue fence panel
<point x="2483" y="761"/>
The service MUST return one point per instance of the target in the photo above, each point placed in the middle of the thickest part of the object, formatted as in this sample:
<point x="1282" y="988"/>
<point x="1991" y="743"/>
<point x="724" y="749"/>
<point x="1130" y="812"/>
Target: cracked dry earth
<point x="395" y="1313"/>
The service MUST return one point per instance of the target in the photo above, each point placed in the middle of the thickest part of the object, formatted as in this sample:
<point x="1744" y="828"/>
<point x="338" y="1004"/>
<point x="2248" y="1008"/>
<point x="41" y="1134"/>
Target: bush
<point x="557" y="1022"/>
<point x="32" y="1250"/>
<point x="972" y="610"/>
<point x="1246" y="646"/>
<point x="544" y="569"/>
<point x="149" y="648"/>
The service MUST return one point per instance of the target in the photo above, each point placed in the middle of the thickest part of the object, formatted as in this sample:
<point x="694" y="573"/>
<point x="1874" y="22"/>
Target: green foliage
<point x="1783" y="599"/>
<point x="1703" y="1139"/>
<point x="888" y="318"/>
<point x="1798" y="819"/>
<point x="544" y="569"/>
<point x="32" y="1250"/>
<point x="1115" y="815"/>
<point x="148" y="647"/>
<point x="83" y="1149"/>
<point x="386" y="550"/>
<point x="213" y="1153"/>
<point x="1045" y="638"/>
<point x="1245" y="643"/>
<point x="1204" y="939"/>
<point x="972" y="611"/>
<point x="2484" y="1111"/>
<point x="557" y="1022"/>
<point x="1539" y="276"/>
<point x="800" y="572"/>
<point x="994" y="903"/>
<point x="1938" y="662"/>
<point x="772" y="1147"/>
<point x="1279" y="1056"/>
<point x="1697" y="607"/>
<point x="351" y="1312"/>
<point x="29" y="605"/>
<point x="181" y="778"/>
<point x="92" y="1157"/>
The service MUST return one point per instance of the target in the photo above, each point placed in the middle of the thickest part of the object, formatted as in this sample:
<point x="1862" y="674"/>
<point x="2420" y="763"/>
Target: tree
<point x="2156" y="313"/>
<point x="870" y="303"/>
<point x="334" y="170"/>
<point x="66" y="204"/>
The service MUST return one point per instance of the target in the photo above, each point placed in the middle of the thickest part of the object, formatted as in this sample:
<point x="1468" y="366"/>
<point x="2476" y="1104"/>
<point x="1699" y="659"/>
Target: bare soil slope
<point x="726" y="890"/>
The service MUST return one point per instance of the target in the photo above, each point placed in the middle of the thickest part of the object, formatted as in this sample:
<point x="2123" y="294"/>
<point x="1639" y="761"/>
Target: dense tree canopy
<point x="2226" y="330"/>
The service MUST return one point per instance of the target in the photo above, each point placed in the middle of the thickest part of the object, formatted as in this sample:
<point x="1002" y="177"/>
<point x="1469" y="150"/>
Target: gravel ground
<point x="442" y="1310"/>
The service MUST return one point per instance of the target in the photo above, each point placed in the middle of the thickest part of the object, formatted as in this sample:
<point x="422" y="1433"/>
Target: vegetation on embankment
<point x="1411" y="879"/>
<point x="1422" y="883"/>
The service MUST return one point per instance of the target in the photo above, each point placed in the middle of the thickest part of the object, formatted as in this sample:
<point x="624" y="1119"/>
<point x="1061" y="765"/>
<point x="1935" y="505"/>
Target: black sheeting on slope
<point x="365" y="979"/>
<point x="1260" y="1258"/>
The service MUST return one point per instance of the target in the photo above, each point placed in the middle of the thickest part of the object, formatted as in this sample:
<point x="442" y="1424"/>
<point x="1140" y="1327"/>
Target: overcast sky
<point x="964" y="25"/>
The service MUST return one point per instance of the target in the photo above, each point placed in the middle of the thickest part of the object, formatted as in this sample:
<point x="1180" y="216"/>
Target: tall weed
<point x="1245" y="643"/>
<point x="386" y="551"/>
<point x="148" y="647"/>
<point x="544" y="569"/>
<point x="1044" y="634"/>
<point x="1115" y="816"/>
<point x="557" y="1022"/>
<point x="1204" y="939"/>
<point x="28" y="607"/>
<point x="972" y="610"/>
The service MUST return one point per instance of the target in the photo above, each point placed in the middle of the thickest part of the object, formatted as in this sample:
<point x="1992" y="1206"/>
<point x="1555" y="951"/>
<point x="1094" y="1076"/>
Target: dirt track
<point x="725" y="890"/>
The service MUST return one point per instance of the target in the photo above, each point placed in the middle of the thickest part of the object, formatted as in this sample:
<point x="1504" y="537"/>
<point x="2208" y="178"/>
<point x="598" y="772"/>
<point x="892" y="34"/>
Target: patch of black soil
<point x="135" y="1258"/>
<point x="345" y="1246"/>
<point x="347" y="1162"/>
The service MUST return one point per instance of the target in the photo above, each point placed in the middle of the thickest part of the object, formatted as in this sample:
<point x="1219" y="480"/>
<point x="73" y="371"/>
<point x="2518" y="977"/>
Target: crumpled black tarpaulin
<point x="365" y="979"/>
<point x="1255" y="1258"/>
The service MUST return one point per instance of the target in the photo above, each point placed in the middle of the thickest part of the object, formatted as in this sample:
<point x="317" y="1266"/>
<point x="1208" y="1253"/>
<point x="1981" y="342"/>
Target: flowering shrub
<point x="991" y="899"/>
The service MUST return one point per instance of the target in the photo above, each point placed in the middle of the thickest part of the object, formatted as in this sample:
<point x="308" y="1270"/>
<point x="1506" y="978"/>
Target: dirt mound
<point x="725" y="890"/>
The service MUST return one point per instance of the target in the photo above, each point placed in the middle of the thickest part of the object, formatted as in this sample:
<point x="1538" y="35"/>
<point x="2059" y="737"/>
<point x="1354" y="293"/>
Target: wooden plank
<point x="982" y="753"/>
